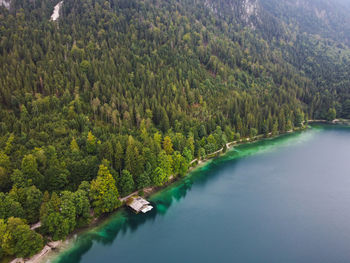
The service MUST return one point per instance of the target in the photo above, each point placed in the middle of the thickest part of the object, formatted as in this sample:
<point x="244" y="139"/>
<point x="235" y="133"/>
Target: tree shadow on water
<point x="126" y="222"/>
<point x="123" y="222"/>
<point x="166" y="198"/>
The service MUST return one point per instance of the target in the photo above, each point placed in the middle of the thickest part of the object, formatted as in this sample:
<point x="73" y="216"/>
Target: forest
<point x="120" y="95"/>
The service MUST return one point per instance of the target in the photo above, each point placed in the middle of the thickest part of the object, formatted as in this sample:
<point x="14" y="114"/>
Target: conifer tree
<point x="91" y="143"/>
<point x="168" y="145"/>
<point x="126" y="183"/>
<point x="74" y="146"/>
<point x="103" y="192"/>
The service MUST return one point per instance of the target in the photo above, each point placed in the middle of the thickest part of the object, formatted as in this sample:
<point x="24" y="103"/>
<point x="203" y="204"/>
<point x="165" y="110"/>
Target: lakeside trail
<point x="335" y="121"/>
<point x="194" y="164"/>
<point x="197" y="162"/>
<point x="253" y="174"/>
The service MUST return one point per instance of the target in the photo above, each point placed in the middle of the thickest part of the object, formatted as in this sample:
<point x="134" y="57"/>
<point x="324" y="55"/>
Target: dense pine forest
<point x="115" y="96"/>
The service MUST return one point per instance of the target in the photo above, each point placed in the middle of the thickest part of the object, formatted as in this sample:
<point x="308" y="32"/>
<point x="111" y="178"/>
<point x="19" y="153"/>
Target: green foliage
<point x="2" y="234"/>
<point x="274" y="130"/>
<point x="52" y="221"/>
<point x="4" y="160"/>
<point x="133" y="160"/>
<point x="60" y="215"/>
<point x="5" y="169"/>
<point x="91" y="143"/>
<point x="144" y="180"/>
<point x="85" y="66"/>
<point x="74" y="146"/>
<point x="148" y="90"/>
<point x="17" y="239"/>
<point x="159" y="177"/>
<point x="32" y="204"/>
<point x="82" y="205"/>
<point x="18" y="179"/>
<point x="10" y="207"/>
<point x="201" y="153"/>
<point x="331" y="115"/>
<point x="30" y="171"/>
<point x="118" y="159"/>
<point x="56" y="226"/>
<point x="211" y="145"/>
<point x="81" y="169"/>
<point x="68" y="210"/>
<point x="9" y="144"/>
<point x="126" y="183"/>
<point x="103" y="192"/>
<point x="5" y="180"/>
<point x="165" y="162"/>
<point x="299" y="118"/>
<point x="56" y="176"/>
<point x="180" y="164"/>
<point x="168" y="145"/>
<point x="187" y="155"/>
<point x="253" y="132"/>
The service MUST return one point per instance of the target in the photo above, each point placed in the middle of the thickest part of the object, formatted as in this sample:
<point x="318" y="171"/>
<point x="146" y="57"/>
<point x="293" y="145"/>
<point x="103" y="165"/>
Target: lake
<point x="278" y="200"/>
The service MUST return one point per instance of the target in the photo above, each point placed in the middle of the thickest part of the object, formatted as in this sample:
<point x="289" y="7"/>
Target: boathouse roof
<point x="138" y="204"/>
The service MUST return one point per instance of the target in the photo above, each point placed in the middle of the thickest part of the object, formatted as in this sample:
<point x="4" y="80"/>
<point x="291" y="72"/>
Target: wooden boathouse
<point x="138" y="204"/>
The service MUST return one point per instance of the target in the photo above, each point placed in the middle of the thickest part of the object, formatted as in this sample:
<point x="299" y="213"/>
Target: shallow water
<point x="280" y="200"/>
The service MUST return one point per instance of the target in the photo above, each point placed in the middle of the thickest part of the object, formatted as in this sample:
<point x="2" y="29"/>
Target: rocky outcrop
<point x="250" y="9"/>
<point x="56" y="12"/>
<point x="246" y="11"/>
<point x="5" y="3"/>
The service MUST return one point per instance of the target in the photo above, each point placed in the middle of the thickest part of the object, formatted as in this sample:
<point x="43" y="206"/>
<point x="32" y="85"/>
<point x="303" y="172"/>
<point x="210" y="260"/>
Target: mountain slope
<point x="128" y="92"/>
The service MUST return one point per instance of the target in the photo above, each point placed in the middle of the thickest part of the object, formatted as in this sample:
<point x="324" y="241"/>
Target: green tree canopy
<point x="18" y="239"/>
<point x="103" y="192"/>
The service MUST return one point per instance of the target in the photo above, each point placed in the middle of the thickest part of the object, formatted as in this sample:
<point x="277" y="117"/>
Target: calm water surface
<point x="280" y="200"/>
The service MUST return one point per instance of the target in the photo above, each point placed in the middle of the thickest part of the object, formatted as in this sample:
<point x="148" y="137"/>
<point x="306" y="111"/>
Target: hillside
<point x="118" y="95"/>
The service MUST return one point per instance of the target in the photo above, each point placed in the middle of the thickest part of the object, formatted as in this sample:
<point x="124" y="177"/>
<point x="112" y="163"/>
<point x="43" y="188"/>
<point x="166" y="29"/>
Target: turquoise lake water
<point x="279" y="200"/>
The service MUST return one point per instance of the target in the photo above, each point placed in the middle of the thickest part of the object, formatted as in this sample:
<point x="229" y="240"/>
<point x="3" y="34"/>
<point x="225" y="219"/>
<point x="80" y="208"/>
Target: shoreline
<point x="61" y="245"/>
<point x="334" y="122"/>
